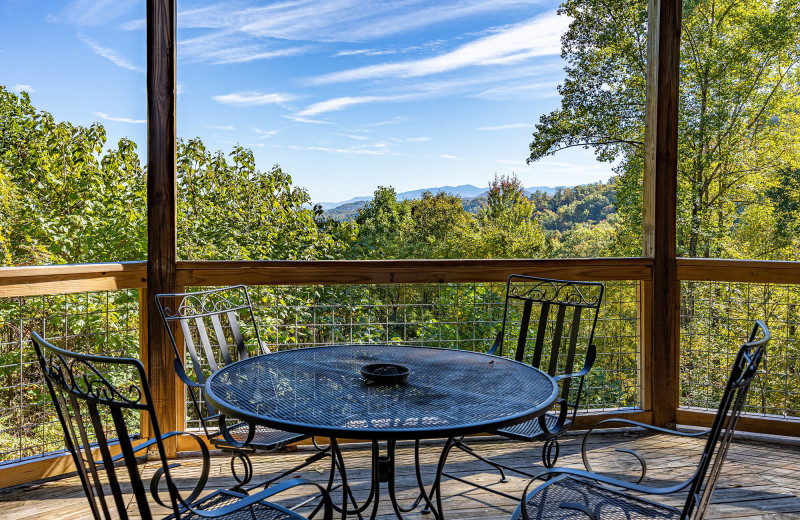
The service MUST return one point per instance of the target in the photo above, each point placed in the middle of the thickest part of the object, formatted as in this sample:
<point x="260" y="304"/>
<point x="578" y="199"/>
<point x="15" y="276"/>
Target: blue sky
<point x="346" y="95"/>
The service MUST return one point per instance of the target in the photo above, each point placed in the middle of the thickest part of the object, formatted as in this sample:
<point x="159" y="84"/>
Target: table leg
<point x="436" y="488"/>
<point x="347" y="492"/>
<point x="383" y="470"/>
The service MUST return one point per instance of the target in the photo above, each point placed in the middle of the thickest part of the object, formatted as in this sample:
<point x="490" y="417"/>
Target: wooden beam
<point x="770" y="425"/>
<point x="161" y="205"/>
<point x="660" y="210"/>
<point x="650" y="118"/>
<point x="322" y="272"/>
<point x="64" y="279"/>
<point x="746" y="271"/>
<point x="52" y="465"/>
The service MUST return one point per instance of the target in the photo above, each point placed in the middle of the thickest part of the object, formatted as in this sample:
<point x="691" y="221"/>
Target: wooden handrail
<point x="71" y="278"/>
<point x="330" y="272"/>
<point x="746" y="271"/>
<point x="111" y="276"/>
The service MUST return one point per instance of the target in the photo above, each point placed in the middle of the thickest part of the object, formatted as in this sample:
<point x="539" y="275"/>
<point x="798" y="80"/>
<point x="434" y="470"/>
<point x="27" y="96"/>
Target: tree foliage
<point x="738" y="108"/>
<point x="67" y="201"/>
<point x="438" y="226"/>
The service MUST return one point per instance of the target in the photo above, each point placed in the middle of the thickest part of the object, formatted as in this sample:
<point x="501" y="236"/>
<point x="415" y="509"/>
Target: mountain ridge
<point x="465" y="191"/>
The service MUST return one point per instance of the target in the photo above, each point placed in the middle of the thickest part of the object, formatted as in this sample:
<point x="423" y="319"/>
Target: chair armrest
<point x="183" y="376"/>
<point x="562" y="418"/>
<point x="223" y="429"/>
<point x="201" y="482"/>
<point x="588" y="363"/>
<point x="498" y="340"/>
<point x="633" y="486"/>
<point x="641" y="459"/>
<point x="147" y="444"/>
<point x="250" y="500"/>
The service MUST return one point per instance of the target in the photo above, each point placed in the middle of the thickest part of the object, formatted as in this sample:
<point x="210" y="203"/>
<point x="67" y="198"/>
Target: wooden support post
<point x="161" y="206"/>
<point x="659" y="206"/>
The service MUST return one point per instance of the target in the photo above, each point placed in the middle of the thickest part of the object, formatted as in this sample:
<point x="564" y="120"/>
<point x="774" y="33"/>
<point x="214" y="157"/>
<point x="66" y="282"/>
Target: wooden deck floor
<point x="760" y="480"/>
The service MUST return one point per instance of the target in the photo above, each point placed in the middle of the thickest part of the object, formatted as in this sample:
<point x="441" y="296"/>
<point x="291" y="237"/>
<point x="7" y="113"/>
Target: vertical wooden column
<point x="161" y="206"/>
<point x="659" y="207"/>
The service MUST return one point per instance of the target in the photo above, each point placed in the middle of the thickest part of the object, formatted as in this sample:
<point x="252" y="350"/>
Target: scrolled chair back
<point x="734" y="398"/>
<point x="98" y="410"/>
<point x="550" y="324"/>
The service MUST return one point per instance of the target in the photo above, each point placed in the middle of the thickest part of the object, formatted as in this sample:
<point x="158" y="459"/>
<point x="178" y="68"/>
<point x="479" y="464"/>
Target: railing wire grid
<point x="716" y="318"/>
<point x="104" y="323"/>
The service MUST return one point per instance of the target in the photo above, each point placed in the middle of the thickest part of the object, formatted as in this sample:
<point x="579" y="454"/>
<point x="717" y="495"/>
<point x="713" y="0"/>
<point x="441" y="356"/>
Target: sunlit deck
<point x="761" y="480"/>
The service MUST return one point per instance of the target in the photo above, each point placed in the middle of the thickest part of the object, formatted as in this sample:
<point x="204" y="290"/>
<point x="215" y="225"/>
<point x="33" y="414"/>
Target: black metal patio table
<point x="320" y="391"/>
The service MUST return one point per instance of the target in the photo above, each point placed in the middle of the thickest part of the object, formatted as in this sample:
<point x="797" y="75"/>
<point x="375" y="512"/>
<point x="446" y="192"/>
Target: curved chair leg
<point x="550" y="452"/>
<point x="247" y="464"/>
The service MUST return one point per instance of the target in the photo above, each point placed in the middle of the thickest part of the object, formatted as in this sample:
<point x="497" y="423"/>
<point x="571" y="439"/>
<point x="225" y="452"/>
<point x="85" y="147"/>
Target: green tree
<point x="382" y="224"/>
<point x="739" y="107"/>
<point x="506" y="226"/>
<point x="441" y="228"/>
<point x="71" y="201"/>
<point x="229" y="209"/>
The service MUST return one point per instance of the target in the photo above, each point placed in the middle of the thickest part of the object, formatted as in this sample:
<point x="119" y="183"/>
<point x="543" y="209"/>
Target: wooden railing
<point x="44" y="280"/>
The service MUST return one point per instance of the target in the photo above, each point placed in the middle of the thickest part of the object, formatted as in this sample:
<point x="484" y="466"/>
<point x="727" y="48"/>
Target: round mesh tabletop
<point x="320" y="391"/>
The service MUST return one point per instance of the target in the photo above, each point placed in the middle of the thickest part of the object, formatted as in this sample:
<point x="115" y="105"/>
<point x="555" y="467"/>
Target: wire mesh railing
<point x="716" y="317"/>
<point x="98" y="322"/>
<point x="455" y="315"/>
<point x="715" y="320"/>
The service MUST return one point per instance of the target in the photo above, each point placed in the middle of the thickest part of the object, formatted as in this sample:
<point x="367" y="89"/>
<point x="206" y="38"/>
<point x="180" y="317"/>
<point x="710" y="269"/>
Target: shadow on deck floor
<point x="760" y="480"/>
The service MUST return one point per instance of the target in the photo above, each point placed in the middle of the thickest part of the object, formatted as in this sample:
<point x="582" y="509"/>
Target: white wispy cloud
<point x="448" y="156"/>
<point x="264" y="134"/>
<point x="418" y="139"/>
<point x="374" y="149"/>
<point x="240" y="31"/>
<point x="523" y="91"/>
<point x="103" y="115"/>
<point x="334" y="104"/>
<point x="20" y="87"/>
<point x="223" y="48"/>
<point x="222" y="127"/>
<point x="94" y="12"/>
<point x="134" y="25"/>
<point x="394" y="121"/>
<point x="365" y="52"/>
<point x="331" y="105"/>
<point x="300" y="119"/>
<point x="253" y="98"/>
<point x="110" y="54"/>
<point x="356" y="20"/>
<point x="506" y="127"/>
<point x="540" y="36"/>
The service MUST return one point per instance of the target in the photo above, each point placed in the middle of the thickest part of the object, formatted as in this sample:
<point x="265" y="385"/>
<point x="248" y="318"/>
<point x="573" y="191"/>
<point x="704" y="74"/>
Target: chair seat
<point x="548" y="500"/>
<point x="530" y="430"/>
<point x="258" y="511"/>
<point x="265" y="438"/>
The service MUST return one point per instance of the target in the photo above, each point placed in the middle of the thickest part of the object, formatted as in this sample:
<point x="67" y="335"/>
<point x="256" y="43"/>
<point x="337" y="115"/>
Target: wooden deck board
<point x="760" y="480"/>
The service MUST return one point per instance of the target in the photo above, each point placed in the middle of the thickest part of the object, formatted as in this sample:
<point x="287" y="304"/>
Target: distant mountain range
<point x="465" y="191"/>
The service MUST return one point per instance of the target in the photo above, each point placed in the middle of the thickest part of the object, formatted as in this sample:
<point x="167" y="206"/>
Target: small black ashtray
<point x="384" y="373"/>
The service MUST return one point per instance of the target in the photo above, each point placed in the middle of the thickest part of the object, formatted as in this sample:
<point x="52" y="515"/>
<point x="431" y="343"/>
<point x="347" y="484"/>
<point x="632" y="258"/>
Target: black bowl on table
<point x="384" y="373"/>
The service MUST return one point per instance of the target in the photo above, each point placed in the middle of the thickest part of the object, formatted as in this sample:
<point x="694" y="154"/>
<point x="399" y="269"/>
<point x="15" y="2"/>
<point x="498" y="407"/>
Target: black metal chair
<point x="563" y="315"/>
<point x="219" y="328"/>
<point x="576" y="494"/>
<point x="96" y="399"/>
